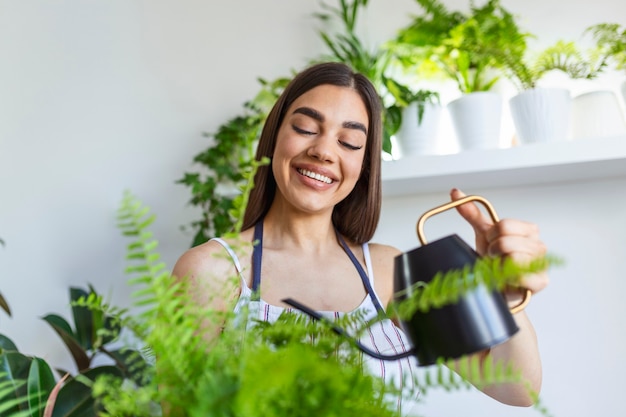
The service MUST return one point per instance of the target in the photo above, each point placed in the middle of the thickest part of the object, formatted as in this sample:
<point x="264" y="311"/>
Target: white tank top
<point x="382" y="337"/>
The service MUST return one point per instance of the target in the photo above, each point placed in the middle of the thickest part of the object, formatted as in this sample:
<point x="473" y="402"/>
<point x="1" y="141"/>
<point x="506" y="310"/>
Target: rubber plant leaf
<point x="132" y="364"/>
<point x="6" y="344"/>
<point x="8" y="400"/>
<point x="14" y="368"/>
<point x="64" y="330"/>
<point x="40" y="384"/>
<point x="75" y="397"/>
<point x="83" y="319"/>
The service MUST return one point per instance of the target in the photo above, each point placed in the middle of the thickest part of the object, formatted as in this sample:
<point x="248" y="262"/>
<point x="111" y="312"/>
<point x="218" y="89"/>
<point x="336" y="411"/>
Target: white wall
<point x="101" y="96"/>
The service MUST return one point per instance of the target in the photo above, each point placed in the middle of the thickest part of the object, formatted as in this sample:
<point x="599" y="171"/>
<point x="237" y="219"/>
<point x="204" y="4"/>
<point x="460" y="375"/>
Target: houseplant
<point x="542" y="114"/>
<point x="221" y="167"/>
<point x="31" y="381"/>
<point x="419" y="124"/>
<point x="466" y="48"/>
<point x="198" y="377"/>
<point x="610" y="41"/>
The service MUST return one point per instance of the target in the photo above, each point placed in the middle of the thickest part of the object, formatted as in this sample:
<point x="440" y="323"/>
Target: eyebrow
<point x="307" y="111"/>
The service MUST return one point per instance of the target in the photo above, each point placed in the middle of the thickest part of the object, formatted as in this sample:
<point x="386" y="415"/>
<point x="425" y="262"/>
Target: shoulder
<point x="211" y="260"/>
<point x="383" y="254"/>
<point x="383" y="259"/>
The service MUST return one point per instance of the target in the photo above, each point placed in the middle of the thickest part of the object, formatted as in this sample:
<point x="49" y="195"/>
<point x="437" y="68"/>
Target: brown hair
<point x="356" y="217"/>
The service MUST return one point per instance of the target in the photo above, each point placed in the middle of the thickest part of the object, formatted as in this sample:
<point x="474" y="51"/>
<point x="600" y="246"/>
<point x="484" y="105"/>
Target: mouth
<point x="315" y="176"/>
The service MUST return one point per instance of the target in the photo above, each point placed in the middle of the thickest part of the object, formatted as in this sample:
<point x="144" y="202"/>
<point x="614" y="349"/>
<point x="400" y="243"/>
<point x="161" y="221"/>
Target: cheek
<point x="355" y="168"/>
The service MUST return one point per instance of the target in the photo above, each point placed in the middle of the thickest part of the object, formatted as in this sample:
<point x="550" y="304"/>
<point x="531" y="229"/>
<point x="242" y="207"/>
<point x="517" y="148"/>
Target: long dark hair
<point x="356" y="217"/>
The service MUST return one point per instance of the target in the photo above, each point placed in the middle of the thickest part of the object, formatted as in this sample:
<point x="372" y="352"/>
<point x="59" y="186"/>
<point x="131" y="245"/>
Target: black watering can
<point x="480" y="319"/>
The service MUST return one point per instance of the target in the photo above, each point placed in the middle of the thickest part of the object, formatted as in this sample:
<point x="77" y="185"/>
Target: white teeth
<point x="315" y="176"/>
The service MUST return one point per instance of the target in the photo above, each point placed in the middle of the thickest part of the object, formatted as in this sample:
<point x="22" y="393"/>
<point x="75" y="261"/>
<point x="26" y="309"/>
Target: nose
<point x="322" y="149"/>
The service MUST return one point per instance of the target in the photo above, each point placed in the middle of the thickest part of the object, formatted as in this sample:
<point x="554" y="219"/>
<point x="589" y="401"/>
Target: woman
<point x="313" y="211"/>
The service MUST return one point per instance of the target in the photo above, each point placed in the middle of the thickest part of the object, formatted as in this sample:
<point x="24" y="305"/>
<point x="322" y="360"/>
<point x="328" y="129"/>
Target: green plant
<point x="88" y="340"/>
<point x="404" y="97"/>
<point x="562" y="56"/>
<point x="467" y="48"/>
<point x="219" y="375"/>
<point x="610" y="41"/>
<point x="222" y="166"/>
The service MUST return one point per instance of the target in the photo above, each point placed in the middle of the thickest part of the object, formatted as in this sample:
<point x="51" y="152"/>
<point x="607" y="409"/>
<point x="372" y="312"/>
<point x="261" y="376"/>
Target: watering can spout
<point x="338" y="330"/>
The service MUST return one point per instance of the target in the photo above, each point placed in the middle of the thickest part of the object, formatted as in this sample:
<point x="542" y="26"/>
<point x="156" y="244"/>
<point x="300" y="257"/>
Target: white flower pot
<point x="542" y="114"/>
<point x="477" y="120"/>
<point x="415" y="137"/>
<point x="597" y="114"/>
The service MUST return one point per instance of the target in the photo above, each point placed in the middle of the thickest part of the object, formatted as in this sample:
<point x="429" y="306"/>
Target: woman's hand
<point x="516" y="239"/>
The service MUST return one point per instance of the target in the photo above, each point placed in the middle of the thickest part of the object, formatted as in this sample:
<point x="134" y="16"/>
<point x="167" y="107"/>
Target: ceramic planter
<point x="542" y="114"/>
<point x="477" y="120"/>
<point x="597" y="114"/>
<point x="415" y="137"/>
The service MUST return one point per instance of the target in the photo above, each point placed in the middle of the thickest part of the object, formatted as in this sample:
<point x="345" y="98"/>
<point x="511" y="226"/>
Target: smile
<point x="315" y="176"/>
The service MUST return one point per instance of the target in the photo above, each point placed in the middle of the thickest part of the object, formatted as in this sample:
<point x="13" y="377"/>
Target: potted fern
<point x="220" y="376"/>
<point x="543" y="114"/>
<point x="610" y="42"/>
<point x="466" y="47"/>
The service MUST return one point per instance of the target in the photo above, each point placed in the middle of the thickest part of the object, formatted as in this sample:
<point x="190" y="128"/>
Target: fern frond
<point x="447" y="287"/>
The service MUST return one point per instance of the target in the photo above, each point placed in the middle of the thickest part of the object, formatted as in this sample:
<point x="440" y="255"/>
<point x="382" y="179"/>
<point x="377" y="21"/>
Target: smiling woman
<point x="308" y="223"/>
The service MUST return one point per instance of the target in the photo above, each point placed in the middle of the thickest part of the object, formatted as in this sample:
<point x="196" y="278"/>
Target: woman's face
<point x="320" y="148"/>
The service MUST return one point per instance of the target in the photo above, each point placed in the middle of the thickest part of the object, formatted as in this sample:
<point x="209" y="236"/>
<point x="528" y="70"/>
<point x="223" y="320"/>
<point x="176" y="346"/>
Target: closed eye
<point x="350" y="146"/>
<point x="301" y="131"/>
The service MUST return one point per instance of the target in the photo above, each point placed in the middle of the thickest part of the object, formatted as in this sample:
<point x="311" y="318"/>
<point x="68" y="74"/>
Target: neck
<point x="305" y="231"/>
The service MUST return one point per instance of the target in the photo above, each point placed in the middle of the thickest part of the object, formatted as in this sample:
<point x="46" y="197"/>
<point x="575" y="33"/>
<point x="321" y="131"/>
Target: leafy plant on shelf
<point x="610" y="41"/>
<point x="404" y="97"/>
<point x="562" y="56"/>
<point x="466" y="47"/>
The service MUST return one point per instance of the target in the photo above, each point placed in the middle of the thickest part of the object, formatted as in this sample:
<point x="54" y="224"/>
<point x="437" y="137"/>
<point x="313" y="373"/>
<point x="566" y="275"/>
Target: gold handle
<point x="494" y="217"/>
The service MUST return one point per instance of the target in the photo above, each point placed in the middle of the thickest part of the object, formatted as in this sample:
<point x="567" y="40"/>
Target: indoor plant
<point x="542" y="114"/>
<point x="467" y="48"/>
<point x="222" y="166"/>
<point x="30" y="381"/>
<point x="220" y="377"/>
<point x="419" y="125"/>
<point x="610" y="41"/>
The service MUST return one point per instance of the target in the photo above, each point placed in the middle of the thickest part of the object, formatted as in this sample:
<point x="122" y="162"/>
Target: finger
<point x="519" y="248"/>
<point x="471" y="213"/>
<point x="513" y="227"/>
<point x="535" y="282"/>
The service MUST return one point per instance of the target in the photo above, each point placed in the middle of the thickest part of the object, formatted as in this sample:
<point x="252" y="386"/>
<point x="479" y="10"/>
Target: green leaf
<point x="132" y="364"/>
<point x="64" y="330"/>
<point x="83" y="319"/>
<point x="6" y="344"/>
<point x="40" y="384"/>
<point x="75" y="397"/>
<point x="14" y="368"/>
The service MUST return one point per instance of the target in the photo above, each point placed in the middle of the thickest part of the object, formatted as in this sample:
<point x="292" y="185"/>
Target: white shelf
<point x="530" y="164"/>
